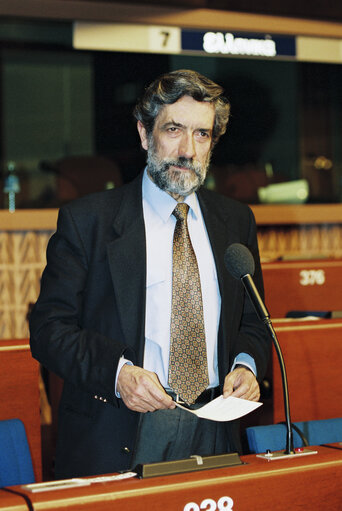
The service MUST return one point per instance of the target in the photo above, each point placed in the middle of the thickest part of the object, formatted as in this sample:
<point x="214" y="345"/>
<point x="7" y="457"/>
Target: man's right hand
<point x="141" y="390"/>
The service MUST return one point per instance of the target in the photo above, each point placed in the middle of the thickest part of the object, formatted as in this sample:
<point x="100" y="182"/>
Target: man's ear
<point x="143" y="135"/>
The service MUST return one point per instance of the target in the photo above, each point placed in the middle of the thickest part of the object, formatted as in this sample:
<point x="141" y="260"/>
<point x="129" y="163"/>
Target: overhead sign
<point x="218" y="42"/>
<point x="238" y="44"/>
<point x="126" y="37"/>
<point x="224" y="43"/>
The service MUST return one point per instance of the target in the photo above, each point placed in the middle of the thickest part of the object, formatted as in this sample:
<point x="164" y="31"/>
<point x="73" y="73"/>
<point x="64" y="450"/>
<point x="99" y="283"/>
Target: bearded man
<point x="136" y="309"/>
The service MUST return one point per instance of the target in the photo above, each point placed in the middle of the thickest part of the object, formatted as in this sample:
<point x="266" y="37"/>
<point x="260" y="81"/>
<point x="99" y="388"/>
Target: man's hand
<point x="141" y="390"/>
<point x="241" y="383"/>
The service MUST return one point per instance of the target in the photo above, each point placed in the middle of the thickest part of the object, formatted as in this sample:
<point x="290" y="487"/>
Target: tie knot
<point x="181" y="211"/>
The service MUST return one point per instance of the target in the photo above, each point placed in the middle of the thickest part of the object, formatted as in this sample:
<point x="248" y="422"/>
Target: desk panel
<point x="301" y="483"/>
<point x="302" y="285"/>
<point x="312" y="351"/>
<point x="19" y="393"/>
<point x="11" y="502"/>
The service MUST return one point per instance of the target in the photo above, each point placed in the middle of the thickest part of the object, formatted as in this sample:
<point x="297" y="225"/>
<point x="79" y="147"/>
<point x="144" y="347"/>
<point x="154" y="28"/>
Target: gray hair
<point x="170" y="87"/>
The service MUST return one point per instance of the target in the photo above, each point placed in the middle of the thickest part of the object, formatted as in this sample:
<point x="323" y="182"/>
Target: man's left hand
<point x="241" y="383"/>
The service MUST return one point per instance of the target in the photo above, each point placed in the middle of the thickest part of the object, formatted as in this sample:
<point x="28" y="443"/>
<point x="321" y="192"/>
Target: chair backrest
<point x="273" y="436"/>
<point x="15" y="457"/>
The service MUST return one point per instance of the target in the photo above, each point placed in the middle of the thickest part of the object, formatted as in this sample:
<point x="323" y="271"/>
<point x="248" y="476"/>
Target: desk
<point x="307" y="482"/>
<point x="312" y="351"/>
<point x="19" y="393"/>
<point x="12" y="502"/>
<point x="302" y="285"/>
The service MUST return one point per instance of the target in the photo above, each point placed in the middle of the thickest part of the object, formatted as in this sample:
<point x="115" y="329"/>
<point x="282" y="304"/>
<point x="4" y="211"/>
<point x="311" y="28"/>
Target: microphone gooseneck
<point x="240" y="264"/>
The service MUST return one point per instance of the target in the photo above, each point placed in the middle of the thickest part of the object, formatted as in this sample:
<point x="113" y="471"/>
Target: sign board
<point x="224" y="43"/>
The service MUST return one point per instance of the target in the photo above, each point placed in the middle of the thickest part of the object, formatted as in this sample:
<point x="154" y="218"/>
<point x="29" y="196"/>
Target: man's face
<point x="180" y="146"/>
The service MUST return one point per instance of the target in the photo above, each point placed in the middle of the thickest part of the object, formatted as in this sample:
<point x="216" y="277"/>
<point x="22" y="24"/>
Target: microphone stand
<point x="265" y="318"/>
<point x="289" y="437"/>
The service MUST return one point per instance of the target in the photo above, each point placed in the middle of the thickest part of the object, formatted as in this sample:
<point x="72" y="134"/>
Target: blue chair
<point x="15" y="457"/>
<point x="273" y="436"/>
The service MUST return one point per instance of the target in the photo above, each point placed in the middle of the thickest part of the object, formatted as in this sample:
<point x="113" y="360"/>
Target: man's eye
<point x="203" y="134"/>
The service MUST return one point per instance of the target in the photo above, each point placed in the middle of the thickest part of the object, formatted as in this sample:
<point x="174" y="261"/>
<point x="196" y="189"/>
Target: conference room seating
<point x="273" y="436"/>
<point x="15" y="457"/>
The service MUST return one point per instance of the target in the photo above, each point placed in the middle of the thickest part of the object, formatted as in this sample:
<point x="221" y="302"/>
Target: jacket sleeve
<point x="59" y="339"/>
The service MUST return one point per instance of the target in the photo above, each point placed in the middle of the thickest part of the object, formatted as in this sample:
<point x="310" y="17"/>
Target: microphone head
<point x="239" y="261"/>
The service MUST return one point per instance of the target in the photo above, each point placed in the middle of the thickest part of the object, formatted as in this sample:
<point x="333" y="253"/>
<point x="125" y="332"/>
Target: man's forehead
<point x="186" y="110"/>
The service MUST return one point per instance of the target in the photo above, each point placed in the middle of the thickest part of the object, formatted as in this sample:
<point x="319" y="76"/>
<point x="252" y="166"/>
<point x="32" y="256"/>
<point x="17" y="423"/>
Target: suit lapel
<point x="222" y="231"/>
<point x="127" y="261"/>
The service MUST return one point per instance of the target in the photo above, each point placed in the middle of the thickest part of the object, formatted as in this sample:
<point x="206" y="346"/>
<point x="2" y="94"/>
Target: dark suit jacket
<point x="91" y="311"/>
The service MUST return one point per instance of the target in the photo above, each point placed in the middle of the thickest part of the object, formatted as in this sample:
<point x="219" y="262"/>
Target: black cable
<point x="25" y="497"/>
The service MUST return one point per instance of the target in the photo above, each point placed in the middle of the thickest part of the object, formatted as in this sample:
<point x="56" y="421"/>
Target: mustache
<point x="187" y="163"/>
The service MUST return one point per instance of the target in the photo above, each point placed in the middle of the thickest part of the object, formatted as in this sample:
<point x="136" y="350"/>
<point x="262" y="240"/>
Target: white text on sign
<point x="223" y="504"/>
<point x="311" y="277"/>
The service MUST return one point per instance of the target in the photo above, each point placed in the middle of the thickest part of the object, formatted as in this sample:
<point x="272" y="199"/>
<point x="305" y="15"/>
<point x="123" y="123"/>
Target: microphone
<point x="240" y="264"/>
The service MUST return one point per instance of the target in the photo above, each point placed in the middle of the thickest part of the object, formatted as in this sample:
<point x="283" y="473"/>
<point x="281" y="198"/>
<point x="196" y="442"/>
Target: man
<point x="105" y="318"/>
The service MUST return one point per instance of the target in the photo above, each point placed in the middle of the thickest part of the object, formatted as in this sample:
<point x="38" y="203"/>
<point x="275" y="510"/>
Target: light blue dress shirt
<point x="159" y="228"/>
<point x="160" y="225"/>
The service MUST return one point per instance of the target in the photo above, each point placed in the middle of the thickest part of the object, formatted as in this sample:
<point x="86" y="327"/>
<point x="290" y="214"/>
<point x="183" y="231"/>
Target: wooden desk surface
<point x="12" y="502"/>
<point x="305" y="482"/>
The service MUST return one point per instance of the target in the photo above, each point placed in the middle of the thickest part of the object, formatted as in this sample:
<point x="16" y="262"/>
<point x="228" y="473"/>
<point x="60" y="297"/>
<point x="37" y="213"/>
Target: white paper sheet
<point x="222" y="410"/>
<point x="75" y="482"/>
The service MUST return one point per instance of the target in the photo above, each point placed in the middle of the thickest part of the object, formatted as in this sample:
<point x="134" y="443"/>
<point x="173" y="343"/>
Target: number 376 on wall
<point x="224" y="503"/>
<point x="311" y="277"/>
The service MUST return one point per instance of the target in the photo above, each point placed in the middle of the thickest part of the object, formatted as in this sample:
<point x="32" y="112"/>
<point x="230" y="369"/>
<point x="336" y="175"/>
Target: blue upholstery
<point x="15" y="457"/>
<point x="273" y="437"/>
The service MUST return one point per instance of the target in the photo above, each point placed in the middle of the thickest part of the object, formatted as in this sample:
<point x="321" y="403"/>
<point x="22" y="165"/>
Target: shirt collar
<point x="162" y="203"/>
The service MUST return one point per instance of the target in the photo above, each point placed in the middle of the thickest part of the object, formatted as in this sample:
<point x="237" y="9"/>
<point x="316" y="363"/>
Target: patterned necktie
<point x="188" y="367"/>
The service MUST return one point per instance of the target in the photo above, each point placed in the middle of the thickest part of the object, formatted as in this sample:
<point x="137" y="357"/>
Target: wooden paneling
<point x="265" y="215"/>
<point x="298" y="483"/>
<point x="19" y="393"/>
<point x="302" y="286"/>
<point x="297" y="214"/>
<point x="28" y="219"/>
<point x="313" y="358"/>
<point x="12" y="502"/>
<point x="300" y="242"/>
<point x="24" y="236"/>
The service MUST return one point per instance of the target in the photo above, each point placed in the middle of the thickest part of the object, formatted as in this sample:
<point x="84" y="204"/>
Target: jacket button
<point x="126" y="450"/>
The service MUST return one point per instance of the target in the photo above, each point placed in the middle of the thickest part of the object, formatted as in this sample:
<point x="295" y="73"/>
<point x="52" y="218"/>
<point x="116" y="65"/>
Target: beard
<point x="173" y="180"/>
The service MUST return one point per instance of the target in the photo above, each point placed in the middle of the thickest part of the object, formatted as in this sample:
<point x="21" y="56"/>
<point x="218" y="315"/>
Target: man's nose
<point x="187" y="146"/>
